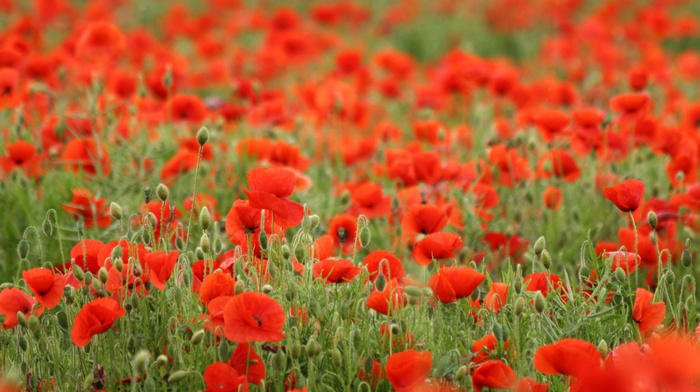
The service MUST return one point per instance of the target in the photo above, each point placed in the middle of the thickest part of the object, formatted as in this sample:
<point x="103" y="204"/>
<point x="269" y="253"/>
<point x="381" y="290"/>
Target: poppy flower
<point x="343" y="230"/>
<point x="253" y="317"/>
<point x="218" y="284"/>
<point x="93" y="210"/>
<point x="335" y="271"/>
<point x="391" y="266"/>
<point x="558" y="163"/>
<point x="526" y="384"/>
<point x="645" y="314"/>
<point x="22" y="156"/>
<point x="187" y="108"/>
<point x="9" y="88"/>
<point x="46" y="287"/>
<point x="496" y="297"/>
<point x="550" y="123"/>
<point x="243" y="224"/>
<point x="388" y="300"/>
<point x="484" y="349"/>
<point x="85" y="255"/>
<point x="86" y="155"/>
<point x="221" y="377"/>
<point x="131" y="277"/>
<point x="494" y="375"/>
<point x="542" y="282"/>
<point x="94" y="318"/>
<point x="628" y="261"/>
<point x="552" y="198"/>
<point x="161" y="266"/>
<point x="247" y="362"/>
<point x="627" y="196"/>
<point x="570" y="357"/>
<point x="424" y="219"/>
<point x="101" y="40"/>
<point x="374" y="376"/>
<point x="215" y="314"/>
<point x="13" y="301"/>
<point x="408" y="369"/>
<point x="436" y="246"/>
<point x="452" y="283"/>
<point x="368" y="199"/>
<point x="269" y="190"/>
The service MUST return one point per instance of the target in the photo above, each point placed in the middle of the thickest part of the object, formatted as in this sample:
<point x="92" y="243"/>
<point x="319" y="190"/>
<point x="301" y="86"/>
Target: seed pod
<point x="141" y="360"/>
<point x="686" y="258"/>
<point x="539" y="302"/>
<point x="197" y="338"/>
<point x="267" y="289"/>
<point x="365" y="237"/>
<point x="23" y="249"/>
<point x="336" y="357"/>
<point x="539" y="245"/>
<point x="202" y="136"/>
<point x="380" y="282"/>
<point x="177" y="376"/>
<point x="546" y="259"/>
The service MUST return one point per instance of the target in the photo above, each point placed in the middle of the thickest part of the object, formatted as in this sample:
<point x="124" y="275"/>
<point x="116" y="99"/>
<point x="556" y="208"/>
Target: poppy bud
<point x="305" y="223"/>
<point x="23" y="249"/>
<point x="539" y="302"/>
<point x="394" y="328"/>
<point x="162" y="360"/>
<point x="413" y="291"/>
<point x="296" y="350"/>
<point x="368" y="366"/>
<point x="141" y="360"/>
<point x="315" y="220"/>
<point x="47" y="227"/>
<point x="686" y="258"/>
<point x="280" y="361"/>
<point x="202" y="136"/>
<point x="149" y="385"/>
<point x="223" y="352"/>
<point x="652" y="219"/>
<point x="33" y="323"/>
<point x="300" y="253"/>
<point x="461" y="373"/>
<point x="365" y="236"/>
<point x="546" y="259"/>
<point x="285" y="252"/>
<point x="311" y="348"/>
<point x="177" y="376"/>
<point x="380" y="282"/>
<point x="519" y="306"/>
<point x="218" y="246"/>
<point x="177" y="296"/>
<point x="498" y="332"/>
<point x="239" y="288"/>
<point x="518" y="285"/>
<point x="180" y="244"/>
<point x="680" y="176"/>
<point x="619" y="274"/>
<point x="653" y="237"/>
<point x="199" y="253"/>
<point x="96" y="284"/>
<point x="263" y="239"/>
<point x="78" y="272"/>
<point x="539" y="245"/>
<point x="197" y="337"/>
<point x="162" y="192"/>
<point x="336" y="357"/>
<point x="22" y="342"/>
<point x="670" y="277"/>
<point x="87" y="278"/>
<point x="583" y="274"/>
<point x="267" y="289"/>
<point x="603" y="348"/>
<point x="204" y="243"/>
<point x="21" y="319"/>
<point x="204" y="218"/>
<point x="344" y="309"/>
<point x="62" y="318"/>
<point x="356" y="338"/>
<point x="472" y="265"/>
<point x="115" y="210"/>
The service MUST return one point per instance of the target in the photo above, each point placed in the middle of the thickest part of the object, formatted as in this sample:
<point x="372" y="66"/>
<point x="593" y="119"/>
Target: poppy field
<point x="351" y="195"/>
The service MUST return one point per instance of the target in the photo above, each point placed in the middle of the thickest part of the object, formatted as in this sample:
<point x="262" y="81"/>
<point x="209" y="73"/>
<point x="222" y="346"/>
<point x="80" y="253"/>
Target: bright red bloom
<point x="496" y="297"/>
<point x="570" y="357"/>
<point x="543" y="282"/>
<point x="452" y="283"/>
<point x="221" y="377"/>
<point x="391" y="266"/>
<point x="253" y="317"/>
<point x="269" y="190"/>
<point x="527" y="384"/>
<point x="218" y="284"/>
<point x="408" y="369"/>
<point x="627" y="196"/>
<point x="550" y="123"/>
<point x="645" y="314"/>
<point x="386" y="301"/>
<point x="247" y="362"/>
<point x="424" y="219"/>
<point x="215" y="315"/>
<point x="46" y="287"/>
<point x="494" y="375"/>
<point x="87" y="257"/>
<point x="552" y="197"/>
<point x="93" y="210"/>
<point x="101" y="40"/>
<point x="438" y="246"/>
<point x="558" y="163"/>
<point x="13" y="301"/>
<point x="244" y="220"/>
<point x="628" y="261"/>
<point x="88" y="156"/>
<point x="343" y="230"/>
<point x="161" y="266"/>
<point x="22" y="155"/>
<point x="94" y="318"/>
<point x="188" y="108"/>
<point x="368" y="199"/>
<point x="335" y="270"/>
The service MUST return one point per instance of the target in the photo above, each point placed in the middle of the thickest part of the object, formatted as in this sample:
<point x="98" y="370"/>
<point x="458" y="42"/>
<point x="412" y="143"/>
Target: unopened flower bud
<point x="368" y="366"/>
<point x="686" y="258"/>
<point x="177" y="376"/>
<point x="296" y="350"/>
<point x="162" y="192"/>
<point x="652" y="219"/>
<point x="461" y="373"/>
<point x="518" y="285"/>
<point x="336" y="357"/>
<point x="539" y="245"/>
<point x="413" y="291"/>
<point x="311" y="349"/>
<point x="223" y="352"/>
<point x="519" y="306"/>
<point x="603" y="348"/>
<point x="394" y="328"/>
<point x="162" y="360"/>
<point x="539" y="302"/>
<point x="199" y="253"/>
<point x="47" y="227"/>
<point x="653" y="237"/>
<point x="315" y="220"/>
<point x="498" y="332"/>
<point x="546" y="259"/>
<point x="204" y="218"/>
<point x="263" y="239"/>
<point x="280" y="361"/>
<point x="116" y="211"/>
<point x="23" y="249"/>
<point x="197" y="337"/>
<point x="202" y="136"/>
<point x="21" y="319"/>
<point x="78" y="272"/>
<point x="239" y="288"/>
<point x="204" y="243"/>
<point x="285" y="252"/>
<point x="380" y="282"/>
<point x="619" y="274"/>
<point x="267" y="289"/>
<point x="300" y="253"/>
<point x="141" y="360"/>
<point x="103" y="275"/>
<point x="365" y="236"/>
<point x="33" y="323"/>
<point x="670" y="277"/>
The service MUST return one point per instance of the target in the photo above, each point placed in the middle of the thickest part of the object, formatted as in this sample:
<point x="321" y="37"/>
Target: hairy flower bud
<point x="380" y="282"/>
<point x="204" y="218"/>
<point x="546" y="259"/>
<point x="197" y="337"/>
<point x="539" y="245"/>
<point x="202" y="136"/>
<point x="539" y="302"/>
<point x="162" y="192"/>
<point x="652" y="219"/>
<point x="686" y="258"/>
<point x="115" y="210"/>
<point x="239" y="288"/>
<point x="141" y="360"/>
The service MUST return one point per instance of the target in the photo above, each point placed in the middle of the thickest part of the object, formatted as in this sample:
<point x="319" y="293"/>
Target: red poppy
<point x="558" y="163"/>
<point x="388" y="300"/>
<point x="645" y="314"/>
<point x="543" y="282"/>
<point x="627" y="196"/>
<point x="550" y="123"/>
<point x="161" y="266"/>
<point x="23" y="156"/>
<point x="131" y="277"/>
<point x="88" y="156"/>
<point x="85" y="255"/>
<point x="14" y="301"/>
<point x="375" y="375"/>
<point x="269" y="190"/>
<point x="101" y="40"/>
<point x="93" y="210"/>
<point x="335" y="271"/>
<point x="188" y="108"/>
<point x="391" y="266"/>
<point x="526" y="384"/>
<point x="452" y="283"/>
<point x="253" y="317"/>
<point x="247" y="362"/>
<point x="408" y="369"/>
<point x="424" y="219"/>
<point x="94" y="318"/>
<point x="218" y="284"/>
<point x="221" y="377"/>
<point x="628" y="261"/>
<point x="494" y="375"/>
<point x="215" y="315"/>
<point x="436" y="246"/>
<point x="243" y="224"/>
<point x="496" y="297"/>
<point x="552" y="197"/>
<point x="46" y="287"/>
<point x="343" y="230"/>
<point x="570" y="357"/>
<point x="369" y="200"/>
